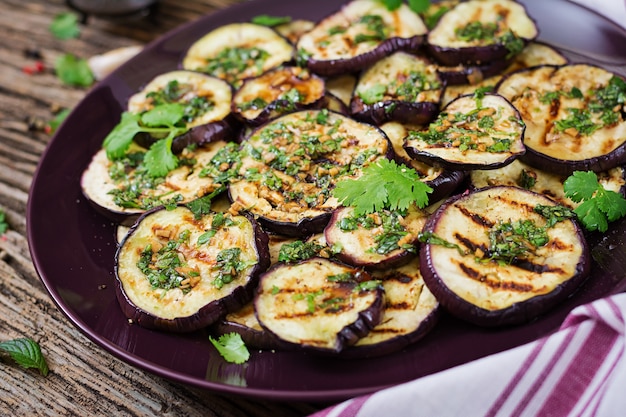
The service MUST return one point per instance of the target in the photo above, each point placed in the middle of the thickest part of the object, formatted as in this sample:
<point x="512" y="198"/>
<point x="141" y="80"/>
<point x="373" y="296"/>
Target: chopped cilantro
<point x="231" y="347"/>
<point x="270" y="21"/>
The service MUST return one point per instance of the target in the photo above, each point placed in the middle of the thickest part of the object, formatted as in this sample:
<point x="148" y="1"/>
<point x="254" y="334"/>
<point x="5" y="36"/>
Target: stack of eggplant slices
<point x="334" y="186"/>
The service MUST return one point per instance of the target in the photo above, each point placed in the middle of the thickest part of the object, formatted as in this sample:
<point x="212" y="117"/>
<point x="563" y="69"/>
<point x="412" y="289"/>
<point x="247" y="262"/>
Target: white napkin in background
<point x="614" y="10"/>
<point x="578" y="371"/>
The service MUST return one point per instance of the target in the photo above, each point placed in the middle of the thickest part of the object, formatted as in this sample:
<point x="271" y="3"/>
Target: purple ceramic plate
<point x="73" y="247"/>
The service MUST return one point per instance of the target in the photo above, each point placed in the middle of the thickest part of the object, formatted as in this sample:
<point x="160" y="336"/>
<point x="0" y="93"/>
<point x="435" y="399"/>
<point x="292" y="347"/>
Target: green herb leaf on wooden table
<point x="65" y="26"/>
<point x="73" y="71"/>
<point x="26" y="353"/>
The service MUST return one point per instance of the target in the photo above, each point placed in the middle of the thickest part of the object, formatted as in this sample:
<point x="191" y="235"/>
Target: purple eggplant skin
<point x="305" y="227"/>
<point x="475" y="55"/>
<point x="226" y="129"/>
<point x="516" y="314"/>
<point x="471" y="74"/>
<point x="355" y="64"/>
<point x="565" y="168"/>
<point x="401" y="111"/>
<point x="209" y="313"/>
<point x="334" y="103"/>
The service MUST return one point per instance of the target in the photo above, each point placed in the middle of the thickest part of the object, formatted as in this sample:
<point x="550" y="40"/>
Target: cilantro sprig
<point x="73" y="71"/>
<point x="418" y="6"/>
<point x="65" y="26"/>
<point x="599" y="205"/>
<point x="231" y="347"/>
<point x="383" y="185"/>
<point x="4" y="226"/>
<point x="26" y="353"/>
<point x="162" y="120"/>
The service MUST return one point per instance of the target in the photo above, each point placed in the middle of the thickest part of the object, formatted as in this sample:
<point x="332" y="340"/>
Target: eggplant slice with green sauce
<point x="237" y="51"/>
<point x="520" y="174"/>
<point x="357" y="35"/>
<point x="378" y="240"/>
<point x="401" y="87"/>
<point x="480" y="131"/>
<point x="180" y="272"/>
<point x="411" y="311"/>
<point x="575" y="116"/>
<point x="318" y="304"/>
<point x="122" y="189"/>
<point x="481" y="31"/>
<point x="277" y="92"/>
<point x="492" y="259"/>
<point x="442" y="181"/>
<point x="290" y="165"/>
<point x="534" y="54"/>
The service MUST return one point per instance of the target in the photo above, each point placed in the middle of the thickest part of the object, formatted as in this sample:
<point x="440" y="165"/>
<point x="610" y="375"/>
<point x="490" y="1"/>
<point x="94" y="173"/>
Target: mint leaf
<point x="270" y="21"/>
<point x="65" y="26"/>
<point x="73" y="71"/>
<point x="231" y="347"/>
<point x="119" y="139"/>
<point x="159" y="159"/>
<point x="26" y="353"/>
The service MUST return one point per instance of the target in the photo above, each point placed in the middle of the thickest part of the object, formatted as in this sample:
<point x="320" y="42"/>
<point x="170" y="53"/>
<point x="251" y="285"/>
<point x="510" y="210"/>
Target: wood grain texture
<point x="84" y="380"/>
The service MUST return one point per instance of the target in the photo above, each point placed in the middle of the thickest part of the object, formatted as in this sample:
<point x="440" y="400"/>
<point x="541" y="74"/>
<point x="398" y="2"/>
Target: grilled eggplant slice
<point x="122" y="190"/>
<point x="442" y="181"/>
<point x="277" y="92"/>
<point x="244" y="322"/>
<point x="574" y="116"/>
<point x="472" y="132"/>
<point x="293" y="29"/>
<point x="180" y="273"/>
<point x="480" y="31"/>
<point x="519" y="174"/>
<point x="534" y="54"/>
<point x="492" y="260"/>
<point x="378" y="240"/>
<point x="341" y="86"/>
<point x="318" y="304"/>
<point x="290" y="165"/>
<point x="207" y="107"/>
<point x="359" y="34"/>
<point x="411" y="311"/>
<point x="238" y="50"/>
<point x="401" y="87"/>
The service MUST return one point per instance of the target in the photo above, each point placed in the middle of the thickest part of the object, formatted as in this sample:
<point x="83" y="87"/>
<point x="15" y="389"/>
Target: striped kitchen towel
<point x="580" y="370"/>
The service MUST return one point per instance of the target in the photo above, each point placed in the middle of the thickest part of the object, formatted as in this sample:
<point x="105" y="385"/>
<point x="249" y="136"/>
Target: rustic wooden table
<point x="84" y="380"/>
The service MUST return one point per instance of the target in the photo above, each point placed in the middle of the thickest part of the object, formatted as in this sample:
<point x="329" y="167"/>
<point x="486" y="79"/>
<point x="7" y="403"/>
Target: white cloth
<point x="580" y="370"/>
<point x="614" y="10"/>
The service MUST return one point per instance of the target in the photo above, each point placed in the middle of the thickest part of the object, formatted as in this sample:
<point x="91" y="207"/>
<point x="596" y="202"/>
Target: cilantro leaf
<point x="270" y="21"/>
<point x="4" y="226"/>
<point x="581" y="185"/>
<point x="599" y="206"/>
<point x="391" y="4"/>
<point x="159" y="159"/>
<point x="419" y="6"/>
<point x="591" y="217"/>
<point x="163" y="115"/>
<point x="613" y="204"/>
<point x="384" y="184"/>
<point x="231" y="347"/>
<point x="65" y="26"/>
<point x="54" y="124"/>
<point x="26" y="353"/>
<point x="119" y="139"/>
<point x="73" y="71"/>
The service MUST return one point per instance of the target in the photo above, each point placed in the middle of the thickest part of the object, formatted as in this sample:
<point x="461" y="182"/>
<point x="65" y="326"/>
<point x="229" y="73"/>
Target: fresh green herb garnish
<point x="527" y="179"/>
<point x="270" y="21"/>
<point x="433" y="239"/>
<point x="202" y="206"/>
<point x="392" y="230"/>
<point x="54" y="124"/>
<point x="73" y="71"/>
<point x="298" y="251"/>
<point x="228" y="263"/>
<point x="384" y="184"/>
<point x="476" y="31"/>
<point x="231" y="347"/>
<point x="230" y="63"/>
<point x="176" y="92"/>
<point x="599" y="205"/>
<point x="65" y="26"/>
<point x="4" y="226"/>
<point x="376" y="29"/>
<point x="164" y="119"/>
<point x="26" y="353"/>
<point x="511" y="240"/>
<point x="418" y="6"/>
<point x="580" y="120"/>
<point x="373" y="94"/>
<point x="554" y="214"/>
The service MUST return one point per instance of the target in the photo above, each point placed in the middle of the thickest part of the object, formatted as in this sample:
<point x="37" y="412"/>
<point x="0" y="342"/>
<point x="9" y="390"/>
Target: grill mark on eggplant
<point x="492" y="283"/>
<point x="476" y="218"/>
